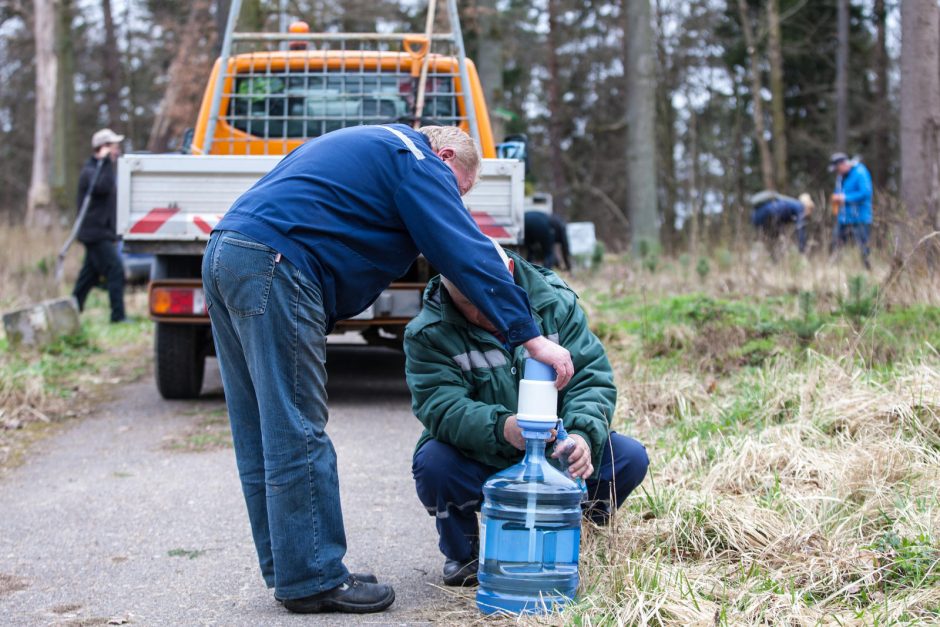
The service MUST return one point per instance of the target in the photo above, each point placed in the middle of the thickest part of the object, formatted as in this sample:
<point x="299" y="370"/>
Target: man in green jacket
<point x="464" y="384"/>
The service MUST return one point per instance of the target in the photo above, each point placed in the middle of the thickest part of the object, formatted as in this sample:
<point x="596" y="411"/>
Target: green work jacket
<point x="464" y="383"/>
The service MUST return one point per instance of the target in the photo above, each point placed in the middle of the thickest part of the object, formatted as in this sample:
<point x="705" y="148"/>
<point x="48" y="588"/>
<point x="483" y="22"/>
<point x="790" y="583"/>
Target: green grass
<point x="724" y="334"/>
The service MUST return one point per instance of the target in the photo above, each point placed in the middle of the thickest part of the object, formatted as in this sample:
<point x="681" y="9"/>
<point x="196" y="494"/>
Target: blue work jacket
<point x="777" y="210"/>
<point x="353" y="208"/>
<point x="856" y="185"/>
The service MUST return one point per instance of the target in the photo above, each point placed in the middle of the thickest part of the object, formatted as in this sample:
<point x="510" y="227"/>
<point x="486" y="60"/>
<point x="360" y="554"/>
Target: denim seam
<point x="307" y="434"/>
<point x="215" y="265"/>
<point x="246" y="244"/>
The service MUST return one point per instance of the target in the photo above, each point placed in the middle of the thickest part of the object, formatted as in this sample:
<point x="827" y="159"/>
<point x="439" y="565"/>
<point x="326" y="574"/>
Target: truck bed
<point x="170" y="203"/>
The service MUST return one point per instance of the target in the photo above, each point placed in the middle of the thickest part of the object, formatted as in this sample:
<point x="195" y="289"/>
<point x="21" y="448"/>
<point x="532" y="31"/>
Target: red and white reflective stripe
<point x="204" y="226"/>
<point x="159" y="217"/>
<point x="489" y="225"/>
<point x="154" y="219"/>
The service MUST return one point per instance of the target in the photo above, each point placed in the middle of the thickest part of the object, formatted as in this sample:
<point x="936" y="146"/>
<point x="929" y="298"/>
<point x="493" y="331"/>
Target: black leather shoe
<point x="460" y="573"/>
<point x="353" y="596"/>
<point x="362" y="577"/>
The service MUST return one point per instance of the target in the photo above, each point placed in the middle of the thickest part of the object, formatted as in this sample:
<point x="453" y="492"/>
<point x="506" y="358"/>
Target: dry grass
<point x="792" y="523"/>
<point x="800" y="492"/>
<point x="39" y="390"/>
<point x="27" y="265"/>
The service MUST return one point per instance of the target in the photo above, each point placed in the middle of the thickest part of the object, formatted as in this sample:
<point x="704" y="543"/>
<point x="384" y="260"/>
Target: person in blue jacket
<point x="314" y="241"/>
<point x="772" y="211"/>
<point x="852" y="196"/>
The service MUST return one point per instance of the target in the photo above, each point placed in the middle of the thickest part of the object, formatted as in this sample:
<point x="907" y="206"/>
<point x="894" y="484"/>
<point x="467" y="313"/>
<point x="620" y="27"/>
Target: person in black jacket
<point x="542" y="232"/>
<point x="98" y="231"/>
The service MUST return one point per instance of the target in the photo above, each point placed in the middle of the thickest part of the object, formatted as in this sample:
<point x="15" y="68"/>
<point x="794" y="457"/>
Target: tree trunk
<point x="880" y="139"/>
<point x="920" y="117"/>
<point x="559" y="185"/>
<point x="665" y="122"/>
<point x="221" y="21"/>
<point x="778" y="113"/>
<point x="842" y="75"/>
<point x="694" y="194"/>
<point x="64" y="161"/>
<point x="740" y="159"/>
<point x="766" y="165"/>
<point x="186" y="78"/>
<point x="131" y="127"/>
<point x="39" y="207"/>
<point x="112" y="66"/>
<point x="489" y="60"/>
<point x="641" y="124"/>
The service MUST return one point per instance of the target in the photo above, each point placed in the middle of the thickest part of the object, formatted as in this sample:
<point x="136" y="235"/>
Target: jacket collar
<point x="538" y="283"/>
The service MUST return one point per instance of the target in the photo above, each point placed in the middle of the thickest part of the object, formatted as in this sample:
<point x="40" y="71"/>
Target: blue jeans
<point x="858" y="232"/>
<point x="450" y="486"/>
<point x="269" y="329"/>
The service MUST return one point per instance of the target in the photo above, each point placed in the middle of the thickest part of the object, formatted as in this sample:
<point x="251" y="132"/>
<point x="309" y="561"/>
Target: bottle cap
<point x="537" y="371"/>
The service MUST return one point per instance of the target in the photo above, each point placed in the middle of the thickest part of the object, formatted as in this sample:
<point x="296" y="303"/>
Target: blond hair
<point x="808" y="204"/>
<point x="466" y="150"/>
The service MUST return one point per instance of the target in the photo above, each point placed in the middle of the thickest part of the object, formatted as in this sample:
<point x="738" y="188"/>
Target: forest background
<point x="641" y="115"/>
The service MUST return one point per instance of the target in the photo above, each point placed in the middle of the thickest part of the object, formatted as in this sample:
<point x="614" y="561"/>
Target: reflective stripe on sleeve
<point x="406" y="141"/>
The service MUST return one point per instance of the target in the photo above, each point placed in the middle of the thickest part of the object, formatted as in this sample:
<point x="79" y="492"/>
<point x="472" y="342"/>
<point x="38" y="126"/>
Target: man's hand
<point x="513" y="434"/>
<point x="544" y="350"/>
<point x="579" y="458"/>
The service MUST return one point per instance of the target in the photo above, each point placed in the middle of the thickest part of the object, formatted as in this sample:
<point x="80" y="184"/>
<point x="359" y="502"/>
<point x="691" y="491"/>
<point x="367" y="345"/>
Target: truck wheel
<point x="180" y="359"/>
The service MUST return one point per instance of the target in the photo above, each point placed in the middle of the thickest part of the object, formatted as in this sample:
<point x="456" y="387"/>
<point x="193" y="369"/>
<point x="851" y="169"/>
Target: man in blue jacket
<point x="852" y="196"/>
<point x="314" y="241"/>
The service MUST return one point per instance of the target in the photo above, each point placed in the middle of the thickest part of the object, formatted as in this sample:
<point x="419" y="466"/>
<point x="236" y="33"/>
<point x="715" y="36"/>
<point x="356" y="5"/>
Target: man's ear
<point x="512" y="267"/>
<point x="446" y="154"/>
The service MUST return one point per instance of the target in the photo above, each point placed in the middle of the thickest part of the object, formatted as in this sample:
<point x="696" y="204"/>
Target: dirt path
<point x="136" y="513"/>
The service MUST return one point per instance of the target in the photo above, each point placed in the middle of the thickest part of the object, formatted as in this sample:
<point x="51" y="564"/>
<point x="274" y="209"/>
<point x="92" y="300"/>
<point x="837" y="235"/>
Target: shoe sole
<point x="466" y="582"/>
<point x="361" y="578"/>
<point x="329" y="605"/>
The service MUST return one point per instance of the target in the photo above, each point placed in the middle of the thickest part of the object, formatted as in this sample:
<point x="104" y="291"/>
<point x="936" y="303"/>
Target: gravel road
<point x="135" y="513"/>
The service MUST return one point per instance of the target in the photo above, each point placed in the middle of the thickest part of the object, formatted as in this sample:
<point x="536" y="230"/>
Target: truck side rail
<point x="174" y="199"/>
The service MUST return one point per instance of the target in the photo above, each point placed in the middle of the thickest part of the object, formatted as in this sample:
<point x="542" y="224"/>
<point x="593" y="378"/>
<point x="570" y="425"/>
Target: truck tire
<point x="179" y="351"/>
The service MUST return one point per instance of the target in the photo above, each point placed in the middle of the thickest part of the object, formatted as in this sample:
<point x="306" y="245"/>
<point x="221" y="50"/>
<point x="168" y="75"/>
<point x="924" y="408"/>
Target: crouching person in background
<point x="464" y="386"/>
<point x="772" y="212"/>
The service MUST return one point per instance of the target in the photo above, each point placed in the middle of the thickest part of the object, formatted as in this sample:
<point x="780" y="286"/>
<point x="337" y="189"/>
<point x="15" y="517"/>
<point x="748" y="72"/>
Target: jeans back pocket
<point x="244" y="273"/>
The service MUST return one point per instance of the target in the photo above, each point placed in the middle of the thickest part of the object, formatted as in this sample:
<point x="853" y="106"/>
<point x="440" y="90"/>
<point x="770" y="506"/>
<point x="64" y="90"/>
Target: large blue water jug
<point x="530" y="533"/>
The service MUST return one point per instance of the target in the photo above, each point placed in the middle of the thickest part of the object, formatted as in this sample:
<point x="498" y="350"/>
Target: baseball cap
<point x="105" y="136"/>
<point x="836" y="159"/>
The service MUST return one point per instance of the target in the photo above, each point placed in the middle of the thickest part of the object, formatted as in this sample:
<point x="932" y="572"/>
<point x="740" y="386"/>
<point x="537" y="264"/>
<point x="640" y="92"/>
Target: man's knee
<point x="629" y="464"/>
<point x="433" y="465"/>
